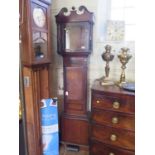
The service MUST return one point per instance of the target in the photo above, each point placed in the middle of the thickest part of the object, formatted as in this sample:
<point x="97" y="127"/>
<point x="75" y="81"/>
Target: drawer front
<point x="114" y="119"/>
<point x="116" y="137"/>
<point x="97" y="148"/>
<point x="121" y="104"/>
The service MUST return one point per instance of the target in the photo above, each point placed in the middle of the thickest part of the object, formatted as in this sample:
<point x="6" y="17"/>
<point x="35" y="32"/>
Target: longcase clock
<point x="74" y="43"/>
<point x="35" y="59"/>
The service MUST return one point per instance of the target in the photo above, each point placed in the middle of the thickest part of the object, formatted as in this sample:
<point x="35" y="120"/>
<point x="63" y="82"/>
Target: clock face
<point x="115" y="30"/>
<point x="39" y="17"/>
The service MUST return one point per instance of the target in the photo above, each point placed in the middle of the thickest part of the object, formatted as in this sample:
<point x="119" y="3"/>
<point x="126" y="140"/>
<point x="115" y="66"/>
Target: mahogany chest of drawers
<point x="112" y="121"/>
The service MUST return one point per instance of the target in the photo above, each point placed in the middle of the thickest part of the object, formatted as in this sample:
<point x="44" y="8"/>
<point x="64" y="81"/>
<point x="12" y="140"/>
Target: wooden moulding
<point x="74" y="16"/>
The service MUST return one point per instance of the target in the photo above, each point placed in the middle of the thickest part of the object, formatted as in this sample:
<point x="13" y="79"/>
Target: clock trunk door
<point x="75" y="89"/>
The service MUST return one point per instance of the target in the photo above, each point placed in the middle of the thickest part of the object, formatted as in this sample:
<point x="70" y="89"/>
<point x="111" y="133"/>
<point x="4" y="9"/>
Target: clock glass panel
<point x="40" y="45"/>
<point x="77" y="36"/>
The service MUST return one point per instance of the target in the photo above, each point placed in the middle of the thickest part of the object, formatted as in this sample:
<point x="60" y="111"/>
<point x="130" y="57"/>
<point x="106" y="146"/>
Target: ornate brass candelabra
<point x="124" y="57"/>
<point x="107" y="56"/>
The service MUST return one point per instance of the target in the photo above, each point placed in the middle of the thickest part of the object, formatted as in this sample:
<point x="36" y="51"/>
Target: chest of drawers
<point x="112" y="121"/>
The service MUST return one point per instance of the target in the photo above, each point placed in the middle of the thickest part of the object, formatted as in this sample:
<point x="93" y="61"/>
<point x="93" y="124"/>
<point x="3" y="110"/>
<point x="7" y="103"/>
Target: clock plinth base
<point x="74" y="129"/>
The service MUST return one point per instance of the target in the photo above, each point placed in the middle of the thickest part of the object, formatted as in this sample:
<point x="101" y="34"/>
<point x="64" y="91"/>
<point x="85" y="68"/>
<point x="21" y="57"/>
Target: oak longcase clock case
<point x="36" y="33"/>
<point x="74" y="43"/>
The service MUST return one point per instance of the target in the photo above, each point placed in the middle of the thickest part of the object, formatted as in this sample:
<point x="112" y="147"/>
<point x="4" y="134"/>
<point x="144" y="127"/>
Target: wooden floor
<point x="63" y="151"/>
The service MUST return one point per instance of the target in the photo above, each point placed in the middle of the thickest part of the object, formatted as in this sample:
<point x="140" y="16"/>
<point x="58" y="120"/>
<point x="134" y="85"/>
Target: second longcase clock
<point x="74" y="43"/>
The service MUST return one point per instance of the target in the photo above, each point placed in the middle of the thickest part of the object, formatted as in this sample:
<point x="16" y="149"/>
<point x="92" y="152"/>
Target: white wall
<point x="96" y="64"/>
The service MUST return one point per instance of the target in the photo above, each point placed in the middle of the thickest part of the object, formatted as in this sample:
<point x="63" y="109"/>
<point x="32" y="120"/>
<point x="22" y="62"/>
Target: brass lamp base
<point x="129" y="86"/>
<point x="121" y="84"/>
<point x="106" y="81"/>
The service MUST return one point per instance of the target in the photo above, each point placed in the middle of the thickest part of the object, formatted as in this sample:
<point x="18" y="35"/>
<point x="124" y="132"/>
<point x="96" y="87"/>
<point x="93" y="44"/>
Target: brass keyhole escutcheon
<point x="114" y="120"/>
<point x="113" y="137"/>
<point x="111" y="153"/>
<point x="116" y="105"/>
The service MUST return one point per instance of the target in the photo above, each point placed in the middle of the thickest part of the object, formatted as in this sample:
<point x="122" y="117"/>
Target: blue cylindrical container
<point x="49" y="123"/>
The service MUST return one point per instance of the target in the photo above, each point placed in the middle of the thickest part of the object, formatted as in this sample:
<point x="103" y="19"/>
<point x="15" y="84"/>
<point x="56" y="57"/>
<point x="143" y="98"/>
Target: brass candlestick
<point x="107" y="56"/>
<point x="124" y="57"/>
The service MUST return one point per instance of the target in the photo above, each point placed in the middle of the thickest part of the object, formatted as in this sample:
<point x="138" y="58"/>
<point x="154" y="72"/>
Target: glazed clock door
<point x="74" y="32"/>
<point x="36" y="33"/>
<point x="40" y="33"/>
<point x="75" y="86"/>
<point x="77" y="37"/>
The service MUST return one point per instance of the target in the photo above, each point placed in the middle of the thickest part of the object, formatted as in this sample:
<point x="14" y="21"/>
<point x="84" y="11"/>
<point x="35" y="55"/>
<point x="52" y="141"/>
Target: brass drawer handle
<point x="116" y="105"/>
<point x="113" y="137"/>
<point x="114" y="120"/>
<point x="111" y="153"/>
<point x="97" y="101"/>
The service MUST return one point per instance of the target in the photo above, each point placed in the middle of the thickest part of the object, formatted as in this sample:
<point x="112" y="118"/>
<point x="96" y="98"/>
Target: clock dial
<point x="39" y="17"/>
<point x="115" y="30"/>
